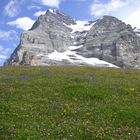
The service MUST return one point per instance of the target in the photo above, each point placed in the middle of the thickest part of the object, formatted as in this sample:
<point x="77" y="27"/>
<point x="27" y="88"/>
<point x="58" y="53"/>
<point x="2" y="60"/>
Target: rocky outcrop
<point x="113" y="41"/>
<point x="57" y="39"/>
<point x="46" y="35"/>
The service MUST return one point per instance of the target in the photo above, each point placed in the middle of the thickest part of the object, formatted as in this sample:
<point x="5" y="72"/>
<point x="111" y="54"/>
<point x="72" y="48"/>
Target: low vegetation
<point x="69" y="103"/>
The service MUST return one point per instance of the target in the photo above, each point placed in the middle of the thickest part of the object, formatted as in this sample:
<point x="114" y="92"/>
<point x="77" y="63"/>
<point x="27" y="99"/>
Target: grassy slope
<point x="69" y="103"/>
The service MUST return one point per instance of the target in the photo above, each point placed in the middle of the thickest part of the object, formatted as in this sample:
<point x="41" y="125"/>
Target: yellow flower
<point x="131" y="89"/>
<point x="88" y="114"/>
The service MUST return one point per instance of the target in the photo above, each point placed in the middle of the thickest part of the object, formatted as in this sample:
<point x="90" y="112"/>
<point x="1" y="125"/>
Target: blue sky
<point x="17" y="16"/>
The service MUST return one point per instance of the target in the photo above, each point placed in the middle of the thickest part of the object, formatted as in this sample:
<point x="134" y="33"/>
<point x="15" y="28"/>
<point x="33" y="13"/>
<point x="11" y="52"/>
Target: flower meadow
<point x="69" y="103"/>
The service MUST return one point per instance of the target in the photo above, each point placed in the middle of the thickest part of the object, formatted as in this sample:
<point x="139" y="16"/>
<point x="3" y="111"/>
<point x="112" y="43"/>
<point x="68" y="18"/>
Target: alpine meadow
<point x="70" y="70"/>
<point x="69" y="102"/>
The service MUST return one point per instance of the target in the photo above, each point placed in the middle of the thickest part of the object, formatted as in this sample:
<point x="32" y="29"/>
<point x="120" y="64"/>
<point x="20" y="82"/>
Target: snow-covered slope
<point x="71" y="55"/>
<point x="74" y="58"/>
<point x="81" y="26"/>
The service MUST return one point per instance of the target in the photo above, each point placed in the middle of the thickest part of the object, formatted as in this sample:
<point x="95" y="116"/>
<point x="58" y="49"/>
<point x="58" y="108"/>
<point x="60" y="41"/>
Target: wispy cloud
<point x="133" y="18"/>
<point x="37" y="14"/>
<point x="2" y="57"/>
<point x="8" y="35"/>
<point x="126" y="10"/>
<point x="51" y="3"/>
<point x="33" y="7"/>
<point x="12" y="8"/>
<point x="23" y="23"/>
<point x="4" y="53"/>
<point x="99" y="8"/>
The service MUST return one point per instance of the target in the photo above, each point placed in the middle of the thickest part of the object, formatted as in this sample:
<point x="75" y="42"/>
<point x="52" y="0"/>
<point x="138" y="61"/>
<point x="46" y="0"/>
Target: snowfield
<point x="71" y="55"/>
<point x="80" y="26"/>
<point x="74" y="58"/>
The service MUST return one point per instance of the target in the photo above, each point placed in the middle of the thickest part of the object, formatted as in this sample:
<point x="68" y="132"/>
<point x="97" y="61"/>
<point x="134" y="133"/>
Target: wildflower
<point x="131" y="89"/>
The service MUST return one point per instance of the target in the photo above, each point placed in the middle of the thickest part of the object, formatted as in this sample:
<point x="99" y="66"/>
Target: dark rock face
<point x="108" y="39"/>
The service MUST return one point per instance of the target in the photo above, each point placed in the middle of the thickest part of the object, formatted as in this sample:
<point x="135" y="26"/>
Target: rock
<point x="113" y="41"/>
<point x="107" y="39"/>
<point x="47" y="34"/>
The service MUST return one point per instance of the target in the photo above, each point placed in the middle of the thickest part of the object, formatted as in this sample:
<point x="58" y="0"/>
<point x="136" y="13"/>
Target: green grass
<point x="69" y="103"/>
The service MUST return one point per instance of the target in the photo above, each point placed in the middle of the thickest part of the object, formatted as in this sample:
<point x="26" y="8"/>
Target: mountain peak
<point x="53" y="16"/>
<point x="57" y="39"/>
<point x="56" y="12"/>
<point x="110" y="19"/>
<point x="110" y="22"/>
<point x="52" y="11"/>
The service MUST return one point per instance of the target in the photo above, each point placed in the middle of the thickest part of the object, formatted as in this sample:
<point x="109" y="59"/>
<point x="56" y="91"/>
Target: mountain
<point x="57" y="39"/>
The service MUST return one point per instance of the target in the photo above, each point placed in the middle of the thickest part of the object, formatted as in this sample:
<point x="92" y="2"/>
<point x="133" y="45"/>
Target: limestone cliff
<point x="56" y="39"/>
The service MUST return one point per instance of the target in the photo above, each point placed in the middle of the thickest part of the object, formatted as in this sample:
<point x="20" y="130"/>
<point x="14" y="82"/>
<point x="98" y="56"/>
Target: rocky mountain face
<point x="57" y="39"/>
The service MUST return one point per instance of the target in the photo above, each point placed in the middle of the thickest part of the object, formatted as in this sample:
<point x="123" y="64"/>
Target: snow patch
<point x="52" y="11"/>
<point x="60" y="56"/>
<point x="74" y="47"/>
<point x="137" y="31"/>
<point x="74" y="58"/>
<point x="80" y="26"/>
<point x="95" y="62"/>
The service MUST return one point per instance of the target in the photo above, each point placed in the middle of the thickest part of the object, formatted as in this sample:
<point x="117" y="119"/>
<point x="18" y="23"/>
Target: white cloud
<point x="4" y="53"/>
<point x="37" y="14"/>
<point x="12" y="8"/>
<point x="2" y="57"/>
<point x="33" y="7"/>
<point x="51" y="3"/>
<point x="99" y="9"/>
<point x="126" y="10"/>
<point x="23" y="23"/>
<point x="8" y="35"/>
<point x="134" y="18"/>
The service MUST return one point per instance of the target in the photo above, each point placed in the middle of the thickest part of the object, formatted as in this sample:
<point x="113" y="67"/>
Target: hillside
<point x="69" y="103"/>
